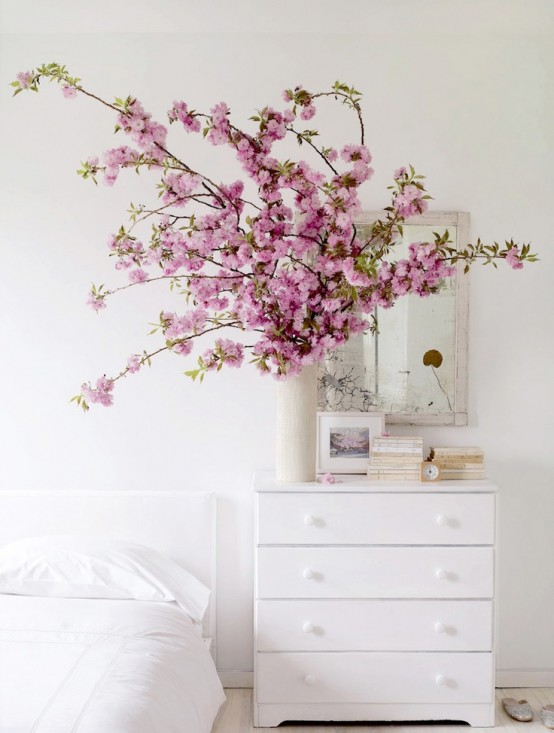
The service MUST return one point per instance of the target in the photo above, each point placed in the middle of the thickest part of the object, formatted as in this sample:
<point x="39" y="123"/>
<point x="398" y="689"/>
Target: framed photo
<point x="344" y="440"/>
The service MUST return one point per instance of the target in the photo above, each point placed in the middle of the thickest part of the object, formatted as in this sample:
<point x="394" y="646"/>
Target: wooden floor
<point x="236" y="717"/>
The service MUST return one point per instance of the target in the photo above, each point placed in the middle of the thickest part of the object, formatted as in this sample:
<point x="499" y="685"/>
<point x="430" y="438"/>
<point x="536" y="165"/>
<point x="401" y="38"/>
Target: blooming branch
<point x="290" y="267"/>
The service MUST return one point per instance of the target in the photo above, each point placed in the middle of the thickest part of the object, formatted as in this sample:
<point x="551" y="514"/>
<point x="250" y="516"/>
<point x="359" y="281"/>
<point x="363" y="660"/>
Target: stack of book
<point x="393" y="457"/>
<point x="459" y="463"/>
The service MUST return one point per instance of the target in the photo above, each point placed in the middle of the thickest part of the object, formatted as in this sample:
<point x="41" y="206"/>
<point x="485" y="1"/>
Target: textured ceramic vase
<point x="296" y="427"/>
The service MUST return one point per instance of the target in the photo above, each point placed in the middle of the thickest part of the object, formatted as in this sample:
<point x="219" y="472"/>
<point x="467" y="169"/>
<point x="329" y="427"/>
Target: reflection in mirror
<point x="415" y="367"/>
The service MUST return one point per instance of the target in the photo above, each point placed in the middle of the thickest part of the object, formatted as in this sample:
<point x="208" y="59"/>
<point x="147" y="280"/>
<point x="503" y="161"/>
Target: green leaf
<point x="192" y="373"/>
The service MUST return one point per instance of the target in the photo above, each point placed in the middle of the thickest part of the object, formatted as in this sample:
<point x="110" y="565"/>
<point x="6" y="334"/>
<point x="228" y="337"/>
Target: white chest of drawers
<point x="374" y="601"/>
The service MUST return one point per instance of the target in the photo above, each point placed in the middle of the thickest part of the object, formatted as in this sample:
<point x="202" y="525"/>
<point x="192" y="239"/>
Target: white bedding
<point x="103" y="666"/>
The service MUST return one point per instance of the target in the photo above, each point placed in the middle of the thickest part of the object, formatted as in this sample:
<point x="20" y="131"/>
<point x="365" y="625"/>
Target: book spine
<point x="389" y="472"/>
<point x="397" y="441"/>
<point x="400" y="454"/>
<point x="457" y="448"/>
<point x="462" y="475"/>
<point x="461" y="452"/>
<point x="389" y="477"/>
<point x="394" y="459"/>
<point x="399" y="438"/>
<point x="387" y="443"/>
<point x="459" y="464"/>
<point x="458" y="455"/>
<point x="395" y="469"/>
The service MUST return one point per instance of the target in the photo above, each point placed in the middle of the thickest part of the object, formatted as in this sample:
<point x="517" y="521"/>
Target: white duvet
<point x="103" y="666"/>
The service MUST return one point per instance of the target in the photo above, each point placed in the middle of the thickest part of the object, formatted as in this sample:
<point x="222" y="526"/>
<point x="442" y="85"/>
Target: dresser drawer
<point x="359" y="677"/>
<point x="375" y="572"/>
<point x="394" y="626"/>
<point x="375" y="519"/>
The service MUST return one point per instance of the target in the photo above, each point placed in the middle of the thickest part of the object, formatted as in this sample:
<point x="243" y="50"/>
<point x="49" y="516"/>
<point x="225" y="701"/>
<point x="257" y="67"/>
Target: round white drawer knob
<point x="442" y="520"/>
<point x="309" y="679"/>
<point x="309" y="520"/>
<point x="440" y="574"/>
<point x="308" y="628"/>
<point x="440" y="680"/>
<point x="308" y="574"/>
<point x="440" y="628"/>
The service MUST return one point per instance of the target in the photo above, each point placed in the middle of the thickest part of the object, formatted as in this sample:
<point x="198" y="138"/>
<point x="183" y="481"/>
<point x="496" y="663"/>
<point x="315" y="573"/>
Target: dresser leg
<point x="482" y="718"/>
<point x="255" y="716"/>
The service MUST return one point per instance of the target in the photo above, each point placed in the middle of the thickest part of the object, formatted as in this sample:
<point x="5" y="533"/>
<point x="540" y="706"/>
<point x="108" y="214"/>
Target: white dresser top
<point x="265" y="481"/>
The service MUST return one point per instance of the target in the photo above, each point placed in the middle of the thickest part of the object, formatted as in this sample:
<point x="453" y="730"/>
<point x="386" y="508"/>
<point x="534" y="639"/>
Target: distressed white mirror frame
<point x="457" y="222"/>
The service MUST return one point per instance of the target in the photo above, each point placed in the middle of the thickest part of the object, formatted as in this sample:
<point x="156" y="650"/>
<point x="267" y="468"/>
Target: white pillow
<point x="97" y="567"/>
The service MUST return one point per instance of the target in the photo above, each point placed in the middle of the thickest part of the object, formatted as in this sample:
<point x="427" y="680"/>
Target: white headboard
<point x="179" y="524"/>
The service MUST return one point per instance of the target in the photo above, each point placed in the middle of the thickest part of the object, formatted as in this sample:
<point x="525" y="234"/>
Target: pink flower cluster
<point x="304" y="99"/>
<point x="176" y="326"/>
<point x="224" y="351"/>
<point x="513" y="258"/>
<point x="148" y="135"/>
<point x="178" y="187"/>
<point x="410" y="201"/>
<point x="115" y="159"/>
<point x="219" y="128"/>
<point x="101" y="394"/>
<point x="24" y="78"/>
<point x="134" y="362"/>
<point x="96" y="301"/>
<point x="180" y="111"/>
<point x="69" y="92"/>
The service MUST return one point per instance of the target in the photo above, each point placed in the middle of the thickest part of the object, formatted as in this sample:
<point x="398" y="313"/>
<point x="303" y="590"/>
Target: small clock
<point x="429" y="471"/>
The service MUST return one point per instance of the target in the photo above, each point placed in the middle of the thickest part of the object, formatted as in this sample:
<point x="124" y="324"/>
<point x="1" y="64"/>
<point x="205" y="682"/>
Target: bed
<point x="136" y="653"/>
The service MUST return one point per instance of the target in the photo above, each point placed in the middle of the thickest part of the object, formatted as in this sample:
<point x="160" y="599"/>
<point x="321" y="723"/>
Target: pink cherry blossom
<point x="24" y="78"/>
<point x="180" y="111"/>
<point x="512" y="258"/>
<point x="182" y="347"/>
<point x="328" y="478"/>
<point x="307" y="112"/>
<point x="133" y="363"/>
<point x="101" y="393"/>
<point x="69" y="92"/>
<point x="138" y="276"/>
<point x="96" y="301"/>
<point x="410" y="202"/>
<point x="353" y="153"/>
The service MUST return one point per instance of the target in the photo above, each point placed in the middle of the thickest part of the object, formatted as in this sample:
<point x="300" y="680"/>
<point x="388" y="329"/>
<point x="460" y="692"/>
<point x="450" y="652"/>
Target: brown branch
<point x="317" y="150"/>
<point x="175" y="277"/>
<point x="352" y="104"/>
<point x="149" y="356"/>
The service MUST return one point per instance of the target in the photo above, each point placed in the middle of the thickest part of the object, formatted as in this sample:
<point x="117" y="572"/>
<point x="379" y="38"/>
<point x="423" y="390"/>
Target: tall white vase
<point x="296" y="426"/>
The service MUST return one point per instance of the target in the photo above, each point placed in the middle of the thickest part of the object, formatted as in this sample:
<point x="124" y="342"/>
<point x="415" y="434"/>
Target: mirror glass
<point x="414" y="368"/>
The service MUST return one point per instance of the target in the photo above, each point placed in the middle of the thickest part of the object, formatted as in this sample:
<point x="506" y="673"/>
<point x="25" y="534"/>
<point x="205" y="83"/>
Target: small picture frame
<point x="344" y="440"/>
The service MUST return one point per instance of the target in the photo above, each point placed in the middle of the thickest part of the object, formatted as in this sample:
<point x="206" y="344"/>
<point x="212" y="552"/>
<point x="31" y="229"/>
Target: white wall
<point x="463" y="90"/>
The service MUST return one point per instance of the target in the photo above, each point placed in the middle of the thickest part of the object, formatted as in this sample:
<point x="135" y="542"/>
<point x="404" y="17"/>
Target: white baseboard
<point x="236" y="677"/>
<point x="539" y="677"/>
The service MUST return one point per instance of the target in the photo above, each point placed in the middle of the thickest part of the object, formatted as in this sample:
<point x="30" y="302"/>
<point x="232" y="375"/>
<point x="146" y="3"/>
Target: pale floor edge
<point x="236" y="717"/>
